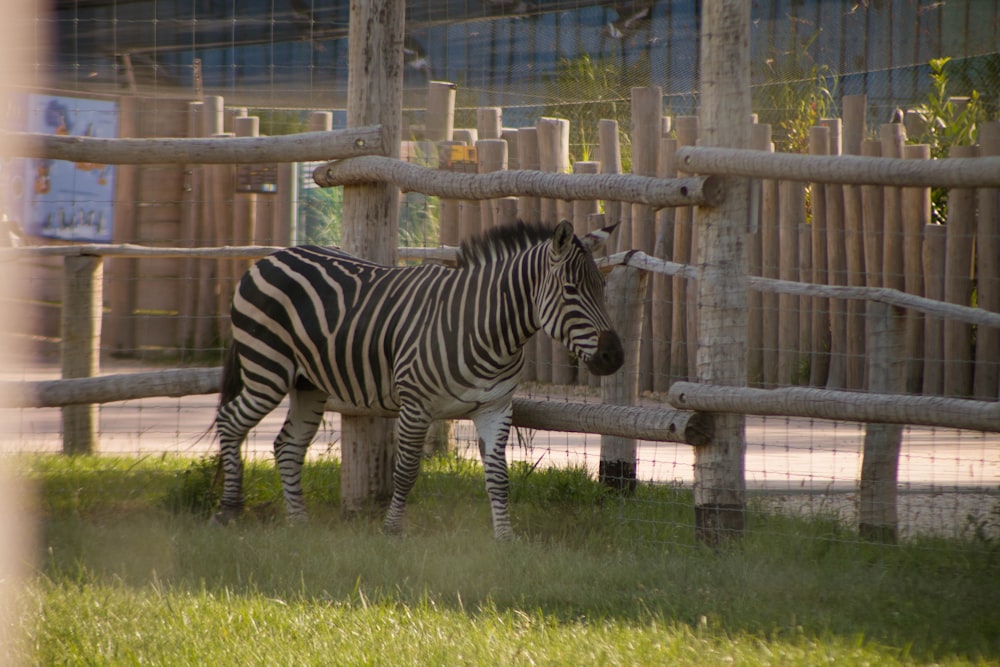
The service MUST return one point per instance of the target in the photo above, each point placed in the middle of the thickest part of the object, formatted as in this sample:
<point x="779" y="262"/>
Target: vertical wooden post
<point x="627" y="288"/>
<point x="371" y="221"/>
<point x="791" y="217"/>
<point x="855" y="123"/>
<point x="492" y="154"/>
<point x="719" y="484"/>
<point x="819" y="363"/>
<point x="529" y="209"/>
<point x="663" y="285"/>
<point x="872" y="224"/>
<point x="959" y="234"/>
<point x="244" y="203"/>
<point x="893" y="136"/>
<point x="206" y="326"/>
<point x="934" y="252"/>
<point x="553" y="147"/>
<point x="877" y="517"/>
<point x="647" y="120"/>
<point x="81" y="346"/>
<point x="469" y="212"/>
<point x="489" y="122"/>
<point x="770" y="259"/>
<point x="439" y="117"/>
<point x="836" y="265"/>
<point x="682" y="343"/>
<point x="916" y="213"/>
<point x="611" y="163"/>
<point x="190" y="207"/>
<point x="120" y="328"/>
<point x="986" y="382"/>
<point x="583" y="212"/>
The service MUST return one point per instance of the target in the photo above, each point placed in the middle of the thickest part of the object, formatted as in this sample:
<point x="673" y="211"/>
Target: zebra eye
<point x="570" y="289"/>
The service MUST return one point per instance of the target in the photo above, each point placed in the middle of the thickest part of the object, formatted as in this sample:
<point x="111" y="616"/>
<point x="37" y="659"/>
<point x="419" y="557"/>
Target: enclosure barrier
<point x="955" y="172"/>
<point x="654" y="424"/>
<point x="655" y="192"/>
<point x="300" y="147"/>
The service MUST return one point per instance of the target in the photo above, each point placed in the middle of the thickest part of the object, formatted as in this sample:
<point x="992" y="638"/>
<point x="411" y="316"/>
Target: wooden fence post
<point x="855" y="123"/>
<point x="439" y="118"/>
<point x="627" y="288"/>
<point x="719" y="484"/>
<point x="663" y="285"/>
<point x="81" y="345"/>
<point x="819" y="363"/>
<point x="791" y="214"/>
<point x="682" y="343"/>
<point x="986" y="381"/>
<point x="836" y="265"/>
<point x="959" y="235"/>
<point x="375" y="89"/>
<point x="647" y="121"/>
<point x="916" y="213"/>
<point x="877" y="516"/>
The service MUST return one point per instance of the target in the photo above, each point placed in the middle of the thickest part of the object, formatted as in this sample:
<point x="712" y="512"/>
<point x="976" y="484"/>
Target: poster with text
<point x="73" y="201"/>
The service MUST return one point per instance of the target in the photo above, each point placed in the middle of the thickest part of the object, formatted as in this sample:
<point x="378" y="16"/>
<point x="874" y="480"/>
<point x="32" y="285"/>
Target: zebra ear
<point x="595" y="241"/>
<point x="562" y="238"/>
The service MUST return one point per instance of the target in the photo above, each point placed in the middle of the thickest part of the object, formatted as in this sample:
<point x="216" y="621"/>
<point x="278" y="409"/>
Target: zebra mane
<point x="501" y="242"/>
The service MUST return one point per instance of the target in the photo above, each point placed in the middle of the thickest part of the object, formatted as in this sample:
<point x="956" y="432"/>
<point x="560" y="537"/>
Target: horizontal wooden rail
<point x="300" y="147"/>
<point x="887" y="295"/>
<point x="656" y="192"/>
<point x="979" y="172"/>
<point x="633" y="258"/>
<point x="838" y="405"/>
<point x="654" y="424"/>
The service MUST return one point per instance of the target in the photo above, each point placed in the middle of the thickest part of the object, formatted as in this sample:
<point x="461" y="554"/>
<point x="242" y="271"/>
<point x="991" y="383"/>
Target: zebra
<point x="419" y="342"/>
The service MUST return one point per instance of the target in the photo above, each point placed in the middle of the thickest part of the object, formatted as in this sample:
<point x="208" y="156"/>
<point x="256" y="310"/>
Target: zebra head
<point x="570" y="303"/>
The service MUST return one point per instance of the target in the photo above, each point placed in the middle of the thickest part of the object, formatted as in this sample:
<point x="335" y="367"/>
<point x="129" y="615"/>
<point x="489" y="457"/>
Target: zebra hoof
<point x="224" y="516"/>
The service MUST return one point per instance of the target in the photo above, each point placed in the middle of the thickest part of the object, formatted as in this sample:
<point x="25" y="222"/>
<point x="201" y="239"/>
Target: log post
<point x="647" y="121"/>
<point x="529" y="210"/>
<point x="583" y="212"/>
<point x="190" y="198"/>
<point x="959" y="234"/>
<point x="119" y="331"/>
<point x="492" y="155"/>
<point x="611" y="163"/>
<point x="836" y="265"/>
<point x="877" y="516"/>
<point x="371" y="217"/>
<point x="934" y="251"/>
<point x="791" y="216"/>
<point x="81" y="345"/>
<point x="439" y="117"/>
<point x="244" y="203"/>
<point x="719" y="484"/>
<point x="915" y="204"/>
<point x="683" y="343"/>
<point x="663" y="285"/>
<point x="855" y="123"/>
<point x="770" y="259"/>
<point x="626" y="293"/>
<point x="819" y="363"/>
<point x="986" y="381"/>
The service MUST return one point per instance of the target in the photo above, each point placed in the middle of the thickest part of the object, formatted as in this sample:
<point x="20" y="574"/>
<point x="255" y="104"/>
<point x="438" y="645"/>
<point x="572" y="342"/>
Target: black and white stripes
<point x="423" y="342"/>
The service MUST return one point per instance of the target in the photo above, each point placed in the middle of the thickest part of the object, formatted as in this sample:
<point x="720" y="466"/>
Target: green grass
<point x="128" y="572"/>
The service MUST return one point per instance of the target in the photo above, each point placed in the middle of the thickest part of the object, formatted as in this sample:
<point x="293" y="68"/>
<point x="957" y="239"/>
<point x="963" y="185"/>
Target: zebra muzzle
<point x="609" y="355"/>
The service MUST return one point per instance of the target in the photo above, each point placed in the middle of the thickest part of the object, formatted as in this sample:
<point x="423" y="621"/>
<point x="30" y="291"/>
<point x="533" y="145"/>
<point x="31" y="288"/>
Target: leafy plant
<point x="592" y="90"/>
<point x="945" y="122"/>
<point x="797" y="93"/>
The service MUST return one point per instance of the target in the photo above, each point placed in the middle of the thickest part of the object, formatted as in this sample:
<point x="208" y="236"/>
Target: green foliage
<point x="795" y="94"/>
<point x="322" y="213"/>
<point x="593" y="580"/>
<point x="946" y="123"/>
<point x="589" y="91"/>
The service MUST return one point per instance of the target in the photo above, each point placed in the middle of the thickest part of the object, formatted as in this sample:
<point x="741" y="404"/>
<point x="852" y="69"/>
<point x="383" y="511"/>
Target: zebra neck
<point x="506" y="316"/>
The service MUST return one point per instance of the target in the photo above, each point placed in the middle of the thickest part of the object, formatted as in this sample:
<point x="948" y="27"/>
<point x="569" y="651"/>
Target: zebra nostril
<point x="609" y="356"/>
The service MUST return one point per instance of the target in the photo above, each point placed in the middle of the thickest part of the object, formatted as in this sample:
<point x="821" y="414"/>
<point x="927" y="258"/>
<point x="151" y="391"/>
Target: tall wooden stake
<point x="719" y="485"/>
<point x="371" y="222"/>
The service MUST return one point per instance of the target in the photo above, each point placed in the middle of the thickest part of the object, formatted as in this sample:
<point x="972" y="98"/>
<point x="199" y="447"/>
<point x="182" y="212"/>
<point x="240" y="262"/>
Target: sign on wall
<point x="56" y="199"/>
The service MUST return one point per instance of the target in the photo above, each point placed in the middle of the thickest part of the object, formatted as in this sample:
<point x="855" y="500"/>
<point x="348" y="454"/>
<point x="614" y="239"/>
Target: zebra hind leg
<point x="413" y="426"/>
<point x="493" y="429"/>
<point x="233" y="422"/>
<point x="305" y="414"/>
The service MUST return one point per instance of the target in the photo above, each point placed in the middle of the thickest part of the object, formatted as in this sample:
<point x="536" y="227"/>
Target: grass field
<point x="128" y="572"/>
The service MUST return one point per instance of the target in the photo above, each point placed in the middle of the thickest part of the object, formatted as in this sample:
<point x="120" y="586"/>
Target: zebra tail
<point x="232" y="379"/>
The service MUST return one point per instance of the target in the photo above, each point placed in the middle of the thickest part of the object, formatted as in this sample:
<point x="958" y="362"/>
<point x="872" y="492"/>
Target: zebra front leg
<point x="413" y="426"/>
<point x="493" y="429"/>
<point x="305" y="414"/>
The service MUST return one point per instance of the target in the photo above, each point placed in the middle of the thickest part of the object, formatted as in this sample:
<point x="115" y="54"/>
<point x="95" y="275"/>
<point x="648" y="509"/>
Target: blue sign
<point x="72" y="201"/>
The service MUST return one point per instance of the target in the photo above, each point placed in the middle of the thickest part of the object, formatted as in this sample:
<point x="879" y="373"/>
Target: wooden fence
<point x="895" y="340"/>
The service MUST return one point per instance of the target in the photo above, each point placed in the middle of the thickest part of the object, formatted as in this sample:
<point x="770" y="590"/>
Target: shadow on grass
<point x="582" y="554"/>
